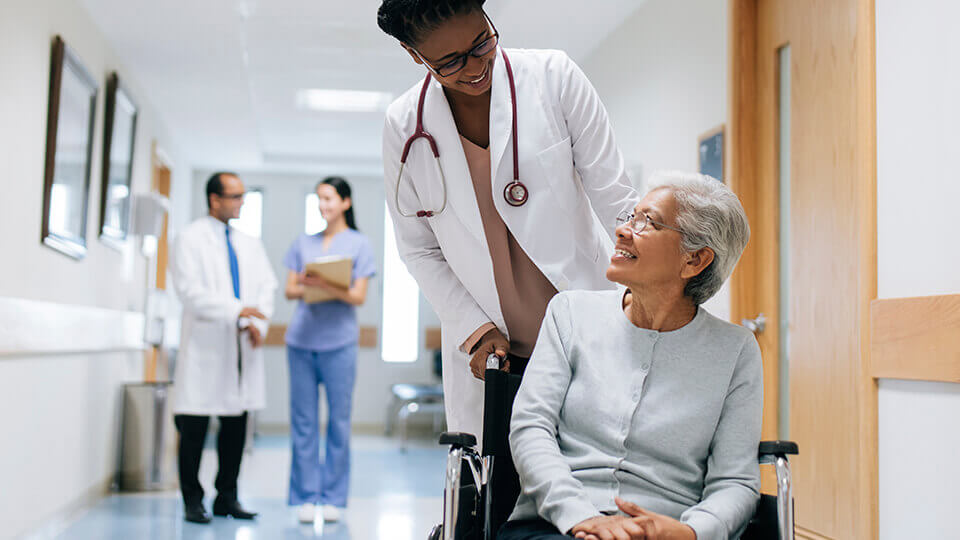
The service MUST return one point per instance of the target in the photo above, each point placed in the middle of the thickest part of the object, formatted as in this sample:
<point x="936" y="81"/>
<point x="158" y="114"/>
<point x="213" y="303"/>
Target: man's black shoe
<point x="195" y="513"/>
<point x="231" y="508"/>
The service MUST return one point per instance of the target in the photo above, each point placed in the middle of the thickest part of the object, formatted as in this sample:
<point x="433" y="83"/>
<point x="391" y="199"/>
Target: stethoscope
<point x="515" y="193"/>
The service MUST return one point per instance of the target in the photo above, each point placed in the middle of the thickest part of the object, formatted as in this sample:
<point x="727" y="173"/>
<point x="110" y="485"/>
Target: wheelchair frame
<point x="464" y="453"/>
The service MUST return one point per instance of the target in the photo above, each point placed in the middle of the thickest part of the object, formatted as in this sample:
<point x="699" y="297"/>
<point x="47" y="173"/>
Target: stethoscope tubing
<point x="420" y="132"/>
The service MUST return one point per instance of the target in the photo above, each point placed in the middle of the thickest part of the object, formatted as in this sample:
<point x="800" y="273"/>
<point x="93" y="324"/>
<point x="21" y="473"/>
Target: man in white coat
<point x="226" y="285"/>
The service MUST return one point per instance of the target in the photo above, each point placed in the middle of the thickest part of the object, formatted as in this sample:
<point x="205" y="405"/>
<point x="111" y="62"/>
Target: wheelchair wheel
<point x="435" y="532"/>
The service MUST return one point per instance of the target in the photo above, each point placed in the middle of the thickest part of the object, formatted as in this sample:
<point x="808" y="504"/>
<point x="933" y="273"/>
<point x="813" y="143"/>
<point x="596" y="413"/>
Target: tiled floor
<point x="393" y="496"/>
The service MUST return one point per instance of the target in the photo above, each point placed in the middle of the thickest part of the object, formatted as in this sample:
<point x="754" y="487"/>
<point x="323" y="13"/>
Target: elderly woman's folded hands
<point x="638" y="524"/>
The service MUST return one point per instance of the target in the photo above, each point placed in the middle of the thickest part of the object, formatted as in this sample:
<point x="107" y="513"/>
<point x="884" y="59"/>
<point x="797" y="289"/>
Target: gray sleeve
<point x="544" y="474"/>
<point x="732" y="483"/>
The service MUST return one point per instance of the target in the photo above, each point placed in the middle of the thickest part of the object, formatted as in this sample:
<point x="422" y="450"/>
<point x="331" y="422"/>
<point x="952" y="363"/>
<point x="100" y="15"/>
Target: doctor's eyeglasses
<point x="479" y="50"/>
<point x="638" y="222"/>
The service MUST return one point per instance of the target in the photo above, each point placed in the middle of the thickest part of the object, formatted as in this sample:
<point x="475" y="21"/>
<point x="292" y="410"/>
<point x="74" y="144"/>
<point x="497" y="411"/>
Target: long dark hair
<point x="343" y="190"/>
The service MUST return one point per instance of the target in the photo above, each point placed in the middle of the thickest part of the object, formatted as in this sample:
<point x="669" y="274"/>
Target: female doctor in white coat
<point x="503" y="213"/>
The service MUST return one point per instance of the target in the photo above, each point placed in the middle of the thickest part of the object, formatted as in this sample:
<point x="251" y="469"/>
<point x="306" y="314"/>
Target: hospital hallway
<point x="394" y="495"/>
<point x="284" y="215"/>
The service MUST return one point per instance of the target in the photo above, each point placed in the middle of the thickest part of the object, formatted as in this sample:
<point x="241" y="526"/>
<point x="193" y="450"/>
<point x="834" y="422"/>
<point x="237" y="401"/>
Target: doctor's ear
<point x="412" y="54"/>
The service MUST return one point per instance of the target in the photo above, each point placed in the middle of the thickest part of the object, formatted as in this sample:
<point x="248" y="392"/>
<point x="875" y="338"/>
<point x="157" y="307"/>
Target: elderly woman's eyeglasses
<point x="479" y="50"/>
<point x="638" y="222"/>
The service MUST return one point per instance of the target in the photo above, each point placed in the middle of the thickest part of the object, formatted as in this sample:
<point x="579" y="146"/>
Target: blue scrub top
<point x="326" y="326"/>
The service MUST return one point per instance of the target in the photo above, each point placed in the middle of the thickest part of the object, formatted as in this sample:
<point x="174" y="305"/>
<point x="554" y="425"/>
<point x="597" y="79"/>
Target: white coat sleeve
<point x="266" y="293"/>
<point x="189" y="284"/>
<point x="595" y="153"/>
<point x="544" y="474"/>
<point x="420" y="251"/>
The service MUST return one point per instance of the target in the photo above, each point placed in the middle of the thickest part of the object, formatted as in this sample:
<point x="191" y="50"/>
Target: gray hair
<point x="709" y="215"/>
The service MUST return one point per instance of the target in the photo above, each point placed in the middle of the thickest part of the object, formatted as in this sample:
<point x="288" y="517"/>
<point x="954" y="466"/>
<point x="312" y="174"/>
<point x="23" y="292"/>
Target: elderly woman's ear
<point x="696" y="262"/>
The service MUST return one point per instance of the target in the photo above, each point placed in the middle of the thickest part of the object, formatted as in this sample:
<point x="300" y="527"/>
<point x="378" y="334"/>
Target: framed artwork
<point x="710" y="153"/>
<point x="119" y="133"/>
<point x="71" y="106"/>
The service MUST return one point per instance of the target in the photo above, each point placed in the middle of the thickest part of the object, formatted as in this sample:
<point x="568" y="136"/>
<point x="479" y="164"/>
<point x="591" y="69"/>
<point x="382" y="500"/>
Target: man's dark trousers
<point x="230" y="441"/>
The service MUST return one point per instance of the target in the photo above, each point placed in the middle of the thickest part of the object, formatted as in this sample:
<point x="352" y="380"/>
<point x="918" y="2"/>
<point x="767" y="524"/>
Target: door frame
<point x="754" y="284"/>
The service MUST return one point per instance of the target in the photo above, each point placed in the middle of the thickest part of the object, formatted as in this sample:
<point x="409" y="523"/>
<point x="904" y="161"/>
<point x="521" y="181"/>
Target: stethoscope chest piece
<point x="515" y="193"/>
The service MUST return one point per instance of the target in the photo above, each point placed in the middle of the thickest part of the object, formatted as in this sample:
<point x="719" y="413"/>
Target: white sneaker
<point x="307" y="513"/>
<point x="330" y="513"/>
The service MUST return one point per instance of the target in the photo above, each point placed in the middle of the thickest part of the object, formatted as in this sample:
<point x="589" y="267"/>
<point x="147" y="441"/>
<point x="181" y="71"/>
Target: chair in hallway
<point x="409" y="399"/>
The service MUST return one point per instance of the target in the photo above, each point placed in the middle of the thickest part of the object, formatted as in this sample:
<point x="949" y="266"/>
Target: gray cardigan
<point x="667" y="420"/>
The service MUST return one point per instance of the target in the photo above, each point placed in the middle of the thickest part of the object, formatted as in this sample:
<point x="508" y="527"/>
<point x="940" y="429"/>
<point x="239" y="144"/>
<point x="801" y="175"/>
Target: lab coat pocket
<point x="556" y="162"/>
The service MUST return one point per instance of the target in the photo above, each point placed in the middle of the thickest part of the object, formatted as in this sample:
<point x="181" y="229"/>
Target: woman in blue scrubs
<point x="322" y="349"/>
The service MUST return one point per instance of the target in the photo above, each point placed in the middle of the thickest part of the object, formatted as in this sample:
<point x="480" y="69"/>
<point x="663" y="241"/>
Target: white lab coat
<point x="206" y="380"/>
<point x="572" y="169"/>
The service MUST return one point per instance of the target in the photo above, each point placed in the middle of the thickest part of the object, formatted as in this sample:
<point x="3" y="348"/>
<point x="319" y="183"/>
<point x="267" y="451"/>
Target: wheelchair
<point x="473" y="476"/>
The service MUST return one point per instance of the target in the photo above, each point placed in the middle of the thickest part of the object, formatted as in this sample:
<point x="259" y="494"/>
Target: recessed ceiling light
<point x="343" y="100"/>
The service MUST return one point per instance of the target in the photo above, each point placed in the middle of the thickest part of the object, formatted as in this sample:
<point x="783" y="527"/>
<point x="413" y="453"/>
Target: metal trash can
<point x="148" y="443"/>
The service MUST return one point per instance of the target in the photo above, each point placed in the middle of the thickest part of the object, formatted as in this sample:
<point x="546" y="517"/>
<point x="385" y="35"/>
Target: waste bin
<point x="148" y="445"/>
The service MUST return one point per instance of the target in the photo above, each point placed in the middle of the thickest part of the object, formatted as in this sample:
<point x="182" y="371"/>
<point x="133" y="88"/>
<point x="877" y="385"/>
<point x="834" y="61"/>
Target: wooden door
<point x="155" y="358"/>
<point x="815" y="345"/>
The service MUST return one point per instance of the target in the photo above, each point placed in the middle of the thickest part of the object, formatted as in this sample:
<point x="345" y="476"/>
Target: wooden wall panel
<point x="276" y="336"/>
<point x="916" y="338"/>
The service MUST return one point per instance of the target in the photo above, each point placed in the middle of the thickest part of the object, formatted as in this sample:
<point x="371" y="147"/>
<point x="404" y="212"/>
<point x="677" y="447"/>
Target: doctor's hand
<point x="256" y="338"/>
<point x="492" y="342"/>
<point x="251" y="312"/>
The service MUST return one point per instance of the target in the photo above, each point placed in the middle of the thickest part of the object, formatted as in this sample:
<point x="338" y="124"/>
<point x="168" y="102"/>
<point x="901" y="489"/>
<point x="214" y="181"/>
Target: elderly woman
<point x="639" y="414"/>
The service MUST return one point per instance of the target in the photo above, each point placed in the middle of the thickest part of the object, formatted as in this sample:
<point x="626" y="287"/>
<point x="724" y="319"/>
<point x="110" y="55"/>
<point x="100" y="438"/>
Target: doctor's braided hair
<point x="410" y="20"/>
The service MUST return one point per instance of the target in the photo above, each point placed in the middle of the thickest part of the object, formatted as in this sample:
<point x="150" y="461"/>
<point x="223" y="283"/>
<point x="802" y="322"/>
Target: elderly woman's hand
<point x="638" y="524"/>
<point x="608" y="528"/>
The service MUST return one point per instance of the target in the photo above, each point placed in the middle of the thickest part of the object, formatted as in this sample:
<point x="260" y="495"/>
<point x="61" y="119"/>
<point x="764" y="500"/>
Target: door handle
<point x="755" y="325"/>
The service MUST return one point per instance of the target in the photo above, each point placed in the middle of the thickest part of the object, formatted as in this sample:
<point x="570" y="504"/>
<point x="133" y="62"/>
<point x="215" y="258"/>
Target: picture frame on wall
<point x="71" y="109"/>
<point x="119" y="138"/>
<point x="710" y="150"/>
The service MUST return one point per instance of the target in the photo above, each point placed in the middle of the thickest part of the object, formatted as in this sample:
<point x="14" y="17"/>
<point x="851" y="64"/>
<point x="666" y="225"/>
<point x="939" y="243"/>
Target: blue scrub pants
<point x="310" y="480"/>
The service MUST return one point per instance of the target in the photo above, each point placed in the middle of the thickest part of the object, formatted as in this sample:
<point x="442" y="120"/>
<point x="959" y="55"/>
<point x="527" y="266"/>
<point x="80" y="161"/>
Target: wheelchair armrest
<point x="457" y="439"/>
<point x="778" y="448"/>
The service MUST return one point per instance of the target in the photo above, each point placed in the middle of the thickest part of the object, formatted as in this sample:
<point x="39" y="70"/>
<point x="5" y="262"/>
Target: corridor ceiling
<point x="223" y="74"/>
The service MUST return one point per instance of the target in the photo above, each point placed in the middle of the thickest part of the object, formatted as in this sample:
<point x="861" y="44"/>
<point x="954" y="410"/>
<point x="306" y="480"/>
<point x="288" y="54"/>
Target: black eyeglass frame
<point x="462" y="59"/>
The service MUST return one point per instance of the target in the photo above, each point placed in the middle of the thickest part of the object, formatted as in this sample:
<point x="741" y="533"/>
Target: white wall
<point x="59" y="414"/>
<point x="662" y="76"/>
<point x="283" y="220"/>
<point x="917" y="194"/>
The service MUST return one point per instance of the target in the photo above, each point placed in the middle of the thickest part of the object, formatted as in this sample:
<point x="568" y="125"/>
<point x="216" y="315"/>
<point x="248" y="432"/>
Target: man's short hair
<point x="215" y="184"/>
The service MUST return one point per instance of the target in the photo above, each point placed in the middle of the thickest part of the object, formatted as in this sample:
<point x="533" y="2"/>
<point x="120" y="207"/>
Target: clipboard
<point x="335" y="269"/>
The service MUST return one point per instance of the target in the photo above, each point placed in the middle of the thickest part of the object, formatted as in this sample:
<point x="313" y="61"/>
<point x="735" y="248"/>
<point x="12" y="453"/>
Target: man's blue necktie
<point x="234" y="266"/>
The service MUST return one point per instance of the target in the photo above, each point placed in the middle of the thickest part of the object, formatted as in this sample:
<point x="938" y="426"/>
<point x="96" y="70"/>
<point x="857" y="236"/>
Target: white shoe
<point x="330" y="513"/>
<point x="307" y="513"/>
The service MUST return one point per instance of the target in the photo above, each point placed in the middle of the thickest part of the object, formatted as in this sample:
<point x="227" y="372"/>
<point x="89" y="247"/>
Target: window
<point x="251" y="214"/>
<point x="314" y="222"/>
<point x="401" y="303"/>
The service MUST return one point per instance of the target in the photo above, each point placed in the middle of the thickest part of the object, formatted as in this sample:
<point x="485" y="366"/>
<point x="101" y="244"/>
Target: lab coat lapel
<point x="501" y="121"/>
<point x="438" y="120"/>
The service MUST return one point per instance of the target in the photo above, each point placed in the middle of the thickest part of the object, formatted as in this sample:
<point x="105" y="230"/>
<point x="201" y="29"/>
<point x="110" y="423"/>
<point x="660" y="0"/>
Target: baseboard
<point x="57" y="522"/>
